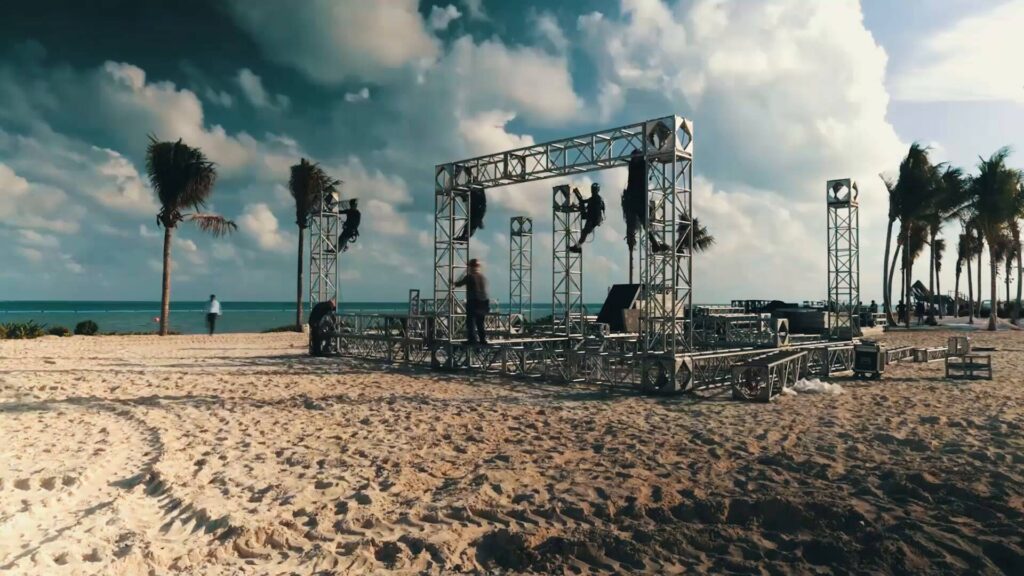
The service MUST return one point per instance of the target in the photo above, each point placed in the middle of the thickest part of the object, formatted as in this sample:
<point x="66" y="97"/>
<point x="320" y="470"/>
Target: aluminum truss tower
<point x="451" y="256"/>
<point x="667" y="145"/>
<point x="666" y="275"/>
<point x="843" y="258"/>
<point x="567" y="314"/>
<point x="520" y="266"/>
<point x="324" y="229"/>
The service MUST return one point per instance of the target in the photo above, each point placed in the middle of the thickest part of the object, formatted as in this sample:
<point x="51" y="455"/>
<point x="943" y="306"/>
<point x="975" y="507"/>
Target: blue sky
<point x="784" y="95"/>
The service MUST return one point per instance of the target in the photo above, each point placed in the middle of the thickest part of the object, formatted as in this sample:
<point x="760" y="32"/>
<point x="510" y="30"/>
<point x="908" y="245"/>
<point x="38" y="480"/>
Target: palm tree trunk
<point x="938" y="293"/>
<point x="956" y="295"/>
<point x="907" y="275"/>
<point x="981" y="256"/>
<point x="1016" y="309"/>
<point x="888" y="292"/>
<point x="887" y="278"/>
<point x="298" y="282"/>
<point x="970" y="293"/>
<point x="165" y="293"/>
<point x="631" y="265"/>
<point x="931" y="279"/>
<point x="995" y="294"/>
<point x="1009" y="262"/>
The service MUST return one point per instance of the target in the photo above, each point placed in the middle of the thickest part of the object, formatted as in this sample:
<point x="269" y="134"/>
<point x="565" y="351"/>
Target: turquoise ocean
<point x="188" y="317"/>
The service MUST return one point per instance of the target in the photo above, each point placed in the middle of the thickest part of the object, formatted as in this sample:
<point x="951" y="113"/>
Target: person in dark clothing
<point x="477" y="303"/>
<point x="873" y="307"/>
<point x="321" y="325"/>
<point x="919" y="312"/>
<point x="593" y="214"/>
<point x="350" y="230"/>
<point x="901" y="312"/>
<point x="634" y="203"/>
<point x="477" y="211"/>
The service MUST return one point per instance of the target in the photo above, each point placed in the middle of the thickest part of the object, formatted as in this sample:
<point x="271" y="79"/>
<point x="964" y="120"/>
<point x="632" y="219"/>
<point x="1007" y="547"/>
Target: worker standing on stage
<point x="593" y="214"/>
<point x="477" y="303"/>
<point x="321" y="325"/>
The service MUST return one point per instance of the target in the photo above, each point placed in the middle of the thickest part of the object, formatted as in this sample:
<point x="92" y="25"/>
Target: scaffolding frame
<point x="667" y="146"/>
<point x="324" y="268"/>
<point x="520" y="267"/>
<point x="843" y="230"/>
<point x="567" y="313"/>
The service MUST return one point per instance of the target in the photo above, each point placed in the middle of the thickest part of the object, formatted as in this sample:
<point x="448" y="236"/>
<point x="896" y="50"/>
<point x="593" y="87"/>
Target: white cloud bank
<point x="334" y="40"/>
<point x="978" y="58"/>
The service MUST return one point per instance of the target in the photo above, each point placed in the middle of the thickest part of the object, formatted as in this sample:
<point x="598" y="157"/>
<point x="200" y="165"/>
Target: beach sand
<point x="237" y="454"/>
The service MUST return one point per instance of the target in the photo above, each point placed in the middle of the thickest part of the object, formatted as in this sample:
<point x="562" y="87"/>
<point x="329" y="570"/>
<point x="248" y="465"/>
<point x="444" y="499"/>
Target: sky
<point x="783" y="94"/>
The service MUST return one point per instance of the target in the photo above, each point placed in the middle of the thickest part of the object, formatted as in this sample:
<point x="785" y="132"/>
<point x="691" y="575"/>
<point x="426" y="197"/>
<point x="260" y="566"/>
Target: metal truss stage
<point x="674" y="348"/>
<point x="606" y="359"/>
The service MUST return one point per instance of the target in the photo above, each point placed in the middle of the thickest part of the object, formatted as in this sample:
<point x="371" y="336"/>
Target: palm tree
<point x="702" y="239"/>
<point x="889" y="269"/>
<point x="964" y="253"/>
<point x="995" y="189"/>
<point x="938" y="250"/>
<point x="909" y="199"/>
<point x="1015" y="232"/>
<point x="183" y="180"/>
<point x="308" y="184"/>
<point x="949" y="199"/>
<point x="1013" y="250"/>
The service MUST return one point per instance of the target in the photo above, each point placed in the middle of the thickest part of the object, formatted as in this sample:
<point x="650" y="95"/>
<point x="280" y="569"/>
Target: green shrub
<point x="286" y="328"/>
<point x="59" y="331"/>
<point x="23" y="330"/>
<point x="86" y="328"/>
<point x="3" y="331"/>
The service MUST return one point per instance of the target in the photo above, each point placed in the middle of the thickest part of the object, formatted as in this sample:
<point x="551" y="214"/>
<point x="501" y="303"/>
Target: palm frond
<point x="308" y="184"/>
<point x="181" y="175"/>
<point x="213" y="224"/>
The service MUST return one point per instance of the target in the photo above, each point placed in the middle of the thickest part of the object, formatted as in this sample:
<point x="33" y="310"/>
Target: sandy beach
<point x="238" y="454"/>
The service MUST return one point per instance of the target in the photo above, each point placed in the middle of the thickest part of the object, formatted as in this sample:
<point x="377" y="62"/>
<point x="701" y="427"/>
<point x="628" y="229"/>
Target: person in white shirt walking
<point x="212" y="311"/>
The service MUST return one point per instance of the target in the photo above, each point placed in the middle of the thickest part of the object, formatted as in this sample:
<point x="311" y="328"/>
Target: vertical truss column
<point x="666" y="263"/>
<point x="567" y="267"/>
<point x="520" y="266"/>
<point x="843" y="229"/>
<point x="324" y="229"/>
<point x="451" y="256"/>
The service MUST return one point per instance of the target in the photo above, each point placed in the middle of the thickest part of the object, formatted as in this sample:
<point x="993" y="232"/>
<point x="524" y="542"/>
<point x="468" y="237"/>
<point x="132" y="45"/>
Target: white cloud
<point x="31" y="205"/>
<point x="259" y="223"/>
<point x="219" y="97"/>
<point x="440" y="17"/>
<point x="491" y="75"/>
<point x="546" y="26"/>
<point x="978" y="58"/>
<point x="257" y="95"/>
<point x="333" y="40"/>
<point x="33" y="238"/>
<point x="476" y="10"/>
<point x="30" y="254"/>
<point x="145" y="232"/>
<point x="123" y="189"/>
<point x="358" y="181"/>
<point x="361" y="95"/>
<point x="771" y="124"/>
<point x="71" y="264"/>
